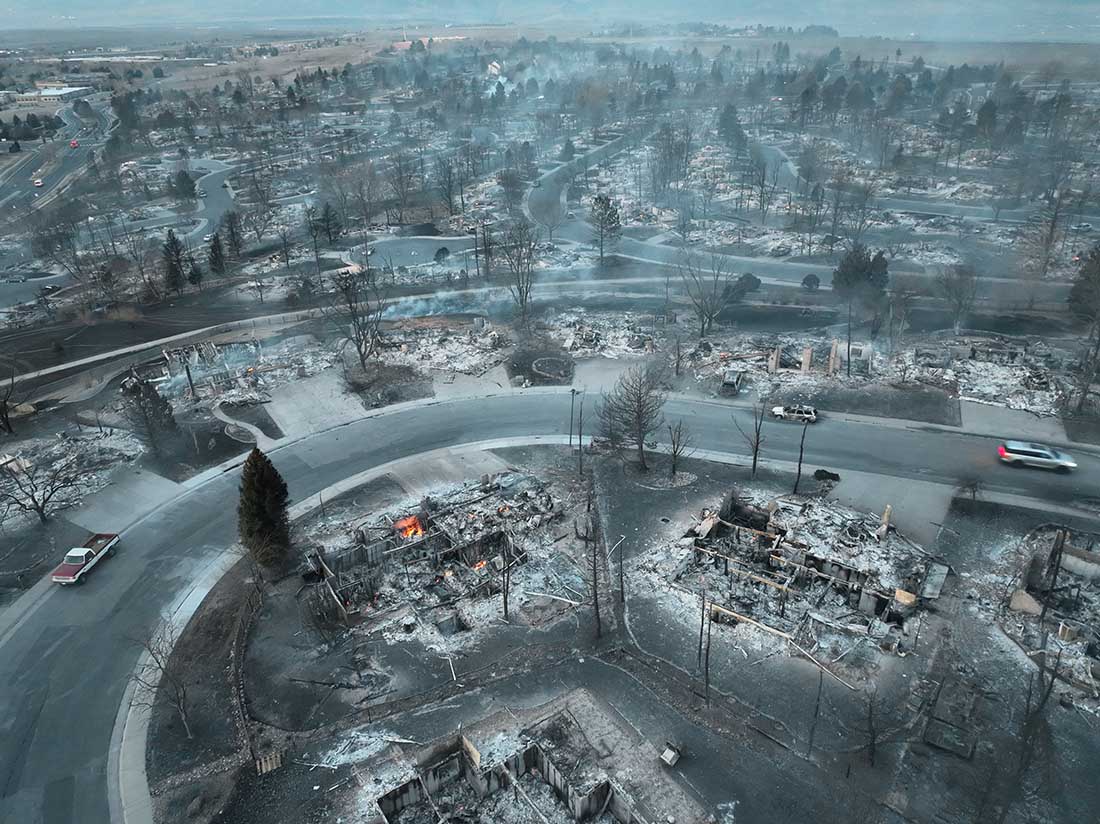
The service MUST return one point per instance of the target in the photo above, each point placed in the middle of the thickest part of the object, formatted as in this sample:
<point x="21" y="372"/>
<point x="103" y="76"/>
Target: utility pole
<point x="191" y="383"/>
<point x="572" y="400"/>
<point x="702" y="625"/>
<point x="801" y="449"/>
<point x="477" y="260"/>
<point x="706" y="665"/>
<point x="580" y="440"/>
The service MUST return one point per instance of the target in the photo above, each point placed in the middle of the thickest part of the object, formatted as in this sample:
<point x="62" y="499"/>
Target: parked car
<point x="795" y="412"/>
<point x="1081" y="227"/>
<point x="207" y="238"/>
<point x="1019" y="453"/>
<point x="38" y="183"/>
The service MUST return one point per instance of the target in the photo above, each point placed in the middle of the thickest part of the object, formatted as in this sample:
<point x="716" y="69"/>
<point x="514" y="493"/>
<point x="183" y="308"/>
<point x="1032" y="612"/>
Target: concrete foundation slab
<point x="420" y="475"/>
<point x="312" y="404"/>
<point x="1015" y="424"/>
<point x="131" y="492"/>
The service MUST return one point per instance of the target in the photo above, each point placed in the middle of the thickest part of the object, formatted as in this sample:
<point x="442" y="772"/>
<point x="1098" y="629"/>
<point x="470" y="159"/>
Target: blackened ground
<point x="382" y="384"/>
<point x="1083" y="429"/>
<point x="202" y="654"/>
<point x="542" y="363"/>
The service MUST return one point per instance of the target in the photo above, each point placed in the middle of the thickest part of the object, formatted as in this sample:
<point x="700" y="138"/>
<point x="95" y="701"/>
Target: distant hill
<point x="973" y="20"/>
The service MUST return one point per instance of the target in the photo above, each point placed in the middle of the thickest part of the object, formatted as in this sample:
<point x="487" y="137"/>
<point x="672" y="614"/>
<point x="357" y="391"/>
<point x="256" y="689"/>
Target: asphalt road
<point x="53" y="163"/>
<point x="64" y="664"/>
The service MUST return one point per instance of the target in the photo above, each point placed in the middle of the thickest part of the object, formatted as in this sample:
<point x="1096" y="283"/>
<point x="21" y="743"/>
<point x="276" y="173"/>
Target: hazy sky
<point x="964" y="19"/>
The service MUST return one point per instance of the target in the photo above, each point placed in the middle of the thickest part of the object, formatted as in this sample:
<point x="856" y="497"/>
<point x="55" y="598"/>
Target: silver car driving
<point x="1020" y="453"/>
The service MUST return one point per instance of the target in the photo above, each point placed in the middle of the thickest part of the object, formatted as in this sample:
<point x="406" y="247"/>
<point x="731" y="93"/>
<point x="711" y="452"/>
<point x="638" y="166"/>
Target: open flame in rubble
<point x="409" y="527"/>
<point x="480" y="564"/>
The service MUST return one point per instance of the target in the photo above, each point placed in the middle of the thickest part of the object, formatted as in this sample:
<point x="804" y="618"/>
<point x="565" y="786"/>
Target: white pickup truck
<point x="80" y="560"/>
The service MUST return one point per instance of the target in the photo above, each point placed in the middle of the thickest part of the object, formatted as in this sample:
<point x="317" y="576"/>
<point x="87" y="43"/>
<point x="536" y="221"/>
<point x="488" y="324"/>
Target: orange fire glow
<point x="480" y="564"/>
<point x="409" y="527"/>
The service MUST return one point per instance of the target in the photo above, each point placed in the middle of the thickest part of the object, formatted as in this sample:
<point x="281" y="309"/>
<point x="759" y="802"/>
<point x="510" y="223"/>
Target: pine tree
<point x="149" y="412"/>
<point x="860" y="279"/>
<point x="216" y="256"/>
<point x="194" y="274"/>
<point x="605" y="220"/>
<point x="184" y="185"/>
<point x="263" y="523"/>
<point x="330" y="222"/>
<point x="233" y="234"/>
<point x="172" y="253"/>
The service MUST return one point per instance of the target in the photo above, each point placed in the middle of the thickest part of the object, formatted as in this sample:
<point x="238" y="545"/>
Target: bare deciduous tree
<point x="631" y="411"/>
<point x="56" y="238"/>
<point x="552" y="220"/>
<point x="708" y="287"/>
<point x="679" y="444"/>
<point x="754" y="438"/>
<point x="139" y="252"/>
<point x="159" y="670"/>
<point x="365" y="193"/>
<point x="958" y="286"/>
<point x="262" y="212"/>
<point x="42" y="488"/>
<point x="401" y="180"/>
<point x="315" y="230"/>
<point x="285" y="235"/>
<point x="9" y="401"/>
<point x="520" y="242"/>
<point x="357" y="307"/>
<point x="860" y="209"/>
<point x="446" y="181"/>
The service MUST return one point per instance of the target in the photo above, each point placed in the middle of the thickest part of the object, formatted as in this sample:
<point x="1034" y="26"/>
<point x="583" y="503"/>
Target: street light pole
<point x="622" y="585"/>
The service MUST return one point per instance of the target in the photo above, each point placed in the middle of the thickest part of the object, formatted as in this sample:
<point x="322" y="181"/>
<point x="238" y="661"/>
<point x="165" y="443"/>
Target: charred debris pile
<point x="1053" y="613"/>
<point x="805" y="568"/>
<point x="465" y="557"/>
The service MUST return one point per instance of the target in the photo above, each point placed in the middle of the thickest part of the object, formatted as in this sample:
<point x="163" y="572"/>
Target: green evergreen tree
<point x="172" y="254"/>
<point x="194" y="274"/>
<point x="606" y="224"/>
<point x="861" y="280"/>
<point x="184" y="185"/>
<point x="263" y="523"/>
<point x="234" y="234"/>
<point x="216" y="255"/>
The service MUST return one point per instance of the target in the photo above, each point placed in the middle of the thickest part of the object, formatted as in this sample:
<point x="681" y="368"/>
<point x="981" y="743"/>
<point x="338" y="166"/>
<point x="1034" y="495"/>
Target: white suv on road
<point x="797" y="412"/>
